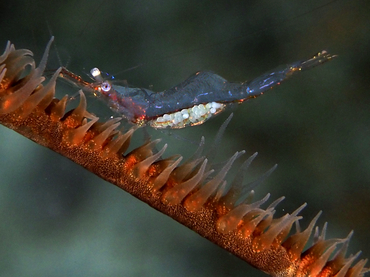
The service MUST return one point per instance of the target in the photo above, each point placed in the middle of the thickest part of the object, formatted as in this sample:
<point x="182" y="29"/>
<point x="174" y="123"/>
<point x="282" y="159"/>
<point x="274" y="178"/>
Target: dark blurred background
<point x="57" y="219"/>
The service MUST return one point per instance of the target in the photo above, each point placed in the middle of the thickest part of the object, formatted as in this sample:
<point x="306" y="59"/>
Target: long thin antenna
<point x="51" y="33"/>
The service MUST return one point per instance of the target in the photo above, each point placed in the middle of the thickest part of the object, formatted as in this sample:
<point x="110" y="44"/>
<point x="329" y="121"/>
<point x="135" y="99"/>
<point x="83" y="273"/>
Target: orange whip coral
<point x="184" y="192"/>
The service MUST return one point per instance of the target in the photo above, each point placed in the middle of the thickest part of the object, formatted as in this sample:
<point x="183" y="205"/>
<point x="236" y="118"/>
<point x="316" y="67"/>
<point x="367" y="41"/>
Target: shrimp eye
<point x="105" y="86"/>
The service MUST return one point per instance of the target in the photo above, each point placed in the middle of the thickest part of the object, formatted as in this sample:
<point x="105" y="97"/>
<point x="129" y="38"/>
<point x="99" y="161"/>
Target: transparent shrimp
<point x="192" y="102"/>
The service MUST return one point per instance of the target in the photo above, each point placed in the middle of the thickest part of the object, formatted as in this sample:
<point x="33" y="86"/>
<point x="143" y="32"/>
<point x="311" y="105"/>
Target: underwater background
<point x="57" y="219"/>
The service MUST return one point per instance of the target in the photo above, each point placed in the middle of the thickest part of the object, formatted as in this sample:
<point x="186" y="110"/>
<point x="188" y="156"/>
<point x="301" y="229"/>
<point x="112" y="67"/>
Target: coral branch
<point x="186" y="193"/>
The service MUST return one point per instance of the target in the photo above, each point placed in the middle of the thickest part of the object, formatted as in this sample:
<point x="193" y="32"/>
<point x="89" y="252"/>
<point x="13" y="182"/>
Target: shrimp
<point x="192" y="102"/>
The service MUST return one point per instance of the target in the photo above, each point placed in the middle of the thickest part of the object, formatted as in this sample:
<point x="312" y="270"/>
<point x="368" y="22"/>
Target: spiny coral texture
<point x="188" y="193"/>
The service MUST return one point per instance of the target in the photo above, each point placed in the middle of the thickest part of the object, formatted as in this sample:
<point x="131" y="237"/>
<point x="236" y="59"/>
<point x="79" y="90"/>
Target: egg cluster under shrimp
<point x="195" y="115"/>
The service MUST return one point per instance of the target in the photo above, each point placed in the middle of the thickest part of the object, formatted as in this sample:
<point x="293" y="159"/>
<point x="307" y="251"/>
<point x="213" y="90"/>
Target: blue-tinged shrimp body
<point x="193" y="101"/>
